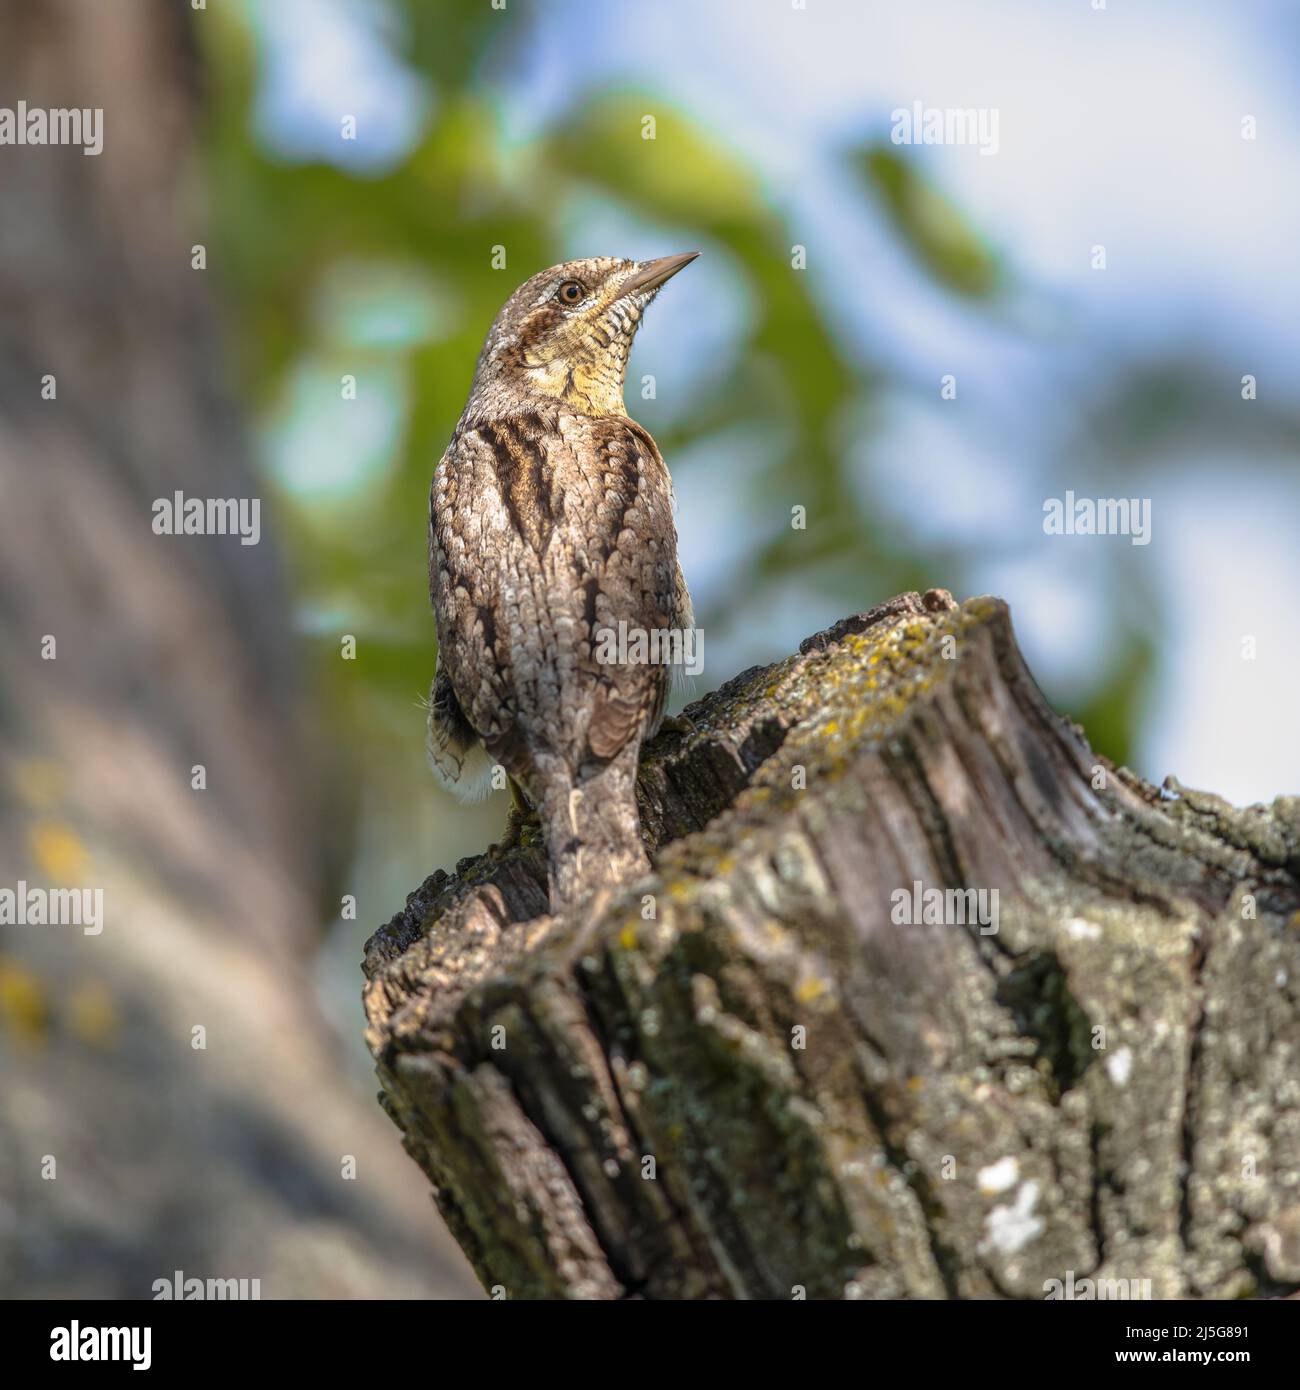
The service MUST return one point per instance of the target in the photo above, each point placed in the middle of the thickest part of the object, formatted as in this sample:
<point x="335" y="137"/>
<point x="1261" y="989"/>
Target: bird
<point x="551" y="524"/>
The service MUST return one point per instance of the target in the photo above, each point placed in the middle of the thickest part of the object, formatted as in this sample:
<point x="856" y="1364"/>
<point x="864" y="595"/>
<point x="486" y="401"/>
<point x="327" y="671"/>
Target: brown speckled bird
<point x="551" y="520"/>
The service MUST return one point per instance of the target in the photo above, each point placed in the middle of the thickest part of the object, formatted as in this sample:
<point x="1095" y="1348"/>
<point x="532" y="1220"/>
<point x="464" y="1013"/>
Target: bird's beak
<point x="653" y="273"/>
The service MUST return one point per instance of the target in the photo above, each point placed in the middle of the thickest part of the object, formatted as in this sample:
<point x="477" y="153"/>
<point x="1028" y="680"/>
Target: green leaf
<point x="930" y="224"/>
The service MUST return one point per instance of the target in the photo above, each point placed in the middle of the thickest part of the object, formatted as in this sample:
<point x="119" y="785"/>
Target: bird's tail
<point x="593" y="829"/>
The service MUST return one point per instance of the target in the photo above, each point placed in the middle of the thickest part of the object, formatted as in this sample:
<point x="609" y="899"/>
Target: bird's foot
<point x="519" y="818"/>
<point x="678" y="724"/>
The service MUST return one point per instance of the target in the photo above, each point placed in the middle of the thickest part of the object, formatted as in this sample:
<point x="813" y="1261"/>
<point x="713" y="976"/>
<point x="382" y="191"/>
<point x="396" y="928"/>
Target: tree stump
<point x="791" y="1063"/>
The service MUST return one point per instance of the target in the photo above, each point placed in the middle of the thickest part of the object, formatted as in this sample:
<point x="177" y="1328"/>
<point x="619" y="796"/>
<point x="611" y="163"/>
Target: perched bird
<point x="550" y="524"/>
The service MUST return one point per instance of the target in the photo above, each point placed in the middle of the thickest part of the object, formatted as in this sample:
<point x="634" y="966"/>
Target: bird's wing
<point x="624" y="561"/>
<point x="466" y="548"/>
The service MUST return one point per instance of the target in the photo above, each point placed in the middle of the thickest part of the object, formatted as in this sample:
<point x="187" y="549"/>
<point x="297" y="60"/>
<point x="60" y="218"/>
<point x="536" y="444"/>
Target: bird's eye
<point x="572" y="291"/>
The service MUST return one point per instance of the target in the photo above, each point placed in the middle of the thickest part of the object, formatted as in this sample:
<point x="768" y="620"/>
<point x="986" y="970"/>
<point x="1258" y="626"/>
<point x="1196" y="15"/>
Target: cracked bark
<point x="741" y="1077"/>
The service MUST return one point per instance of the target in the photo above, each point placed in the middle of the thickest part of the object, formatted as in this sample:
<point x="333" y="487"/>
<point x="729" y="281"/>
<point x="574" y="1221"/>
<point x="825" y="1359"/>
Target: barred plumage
<point x="551" y="522"/>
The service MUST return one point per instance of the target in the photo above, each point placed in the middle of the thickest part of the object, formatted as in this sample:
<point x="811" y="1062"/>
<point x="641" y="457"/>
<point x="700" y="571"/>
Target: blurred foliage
<point x="1107" y="715"/>
<point x="292" y="238"/>
<point x="930" y="225"/>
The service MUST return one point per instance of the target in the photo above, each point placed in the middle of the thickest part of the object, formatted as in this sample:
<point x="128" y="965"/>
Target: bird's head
<point x="566" y="334"/>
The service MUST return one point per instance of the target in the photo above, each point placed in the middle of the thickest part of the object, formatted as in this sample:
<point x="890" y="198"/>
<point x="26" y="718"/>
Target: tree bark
<point x="749" y="1076"/>
<point x="176" y="1067"/>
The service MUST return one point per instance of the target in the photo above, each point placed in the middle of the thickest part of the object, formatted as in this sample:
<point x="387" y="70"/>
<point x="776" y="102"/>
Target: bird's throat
<point x="590" y="387"/>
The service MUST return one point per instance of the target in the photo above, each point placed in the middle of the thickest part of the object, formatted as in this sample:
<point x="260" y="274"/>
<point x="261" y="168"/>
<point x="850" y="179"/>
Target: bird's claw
<point x="516" y="819"/>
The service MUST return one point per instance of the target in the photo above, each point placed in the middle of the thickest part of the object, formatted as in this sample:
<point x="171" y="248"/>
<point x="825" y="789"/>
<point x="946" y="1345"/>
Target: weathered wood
<point x="743" y="1077"/>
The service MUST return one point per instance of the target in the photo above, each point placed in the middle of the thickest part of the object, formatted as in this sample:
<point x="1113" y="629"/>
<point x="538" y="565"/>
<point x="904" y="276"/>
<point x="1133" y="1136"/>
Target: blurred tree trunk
<point x="762" y="1072"/>
<point x="129" y="660"/>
